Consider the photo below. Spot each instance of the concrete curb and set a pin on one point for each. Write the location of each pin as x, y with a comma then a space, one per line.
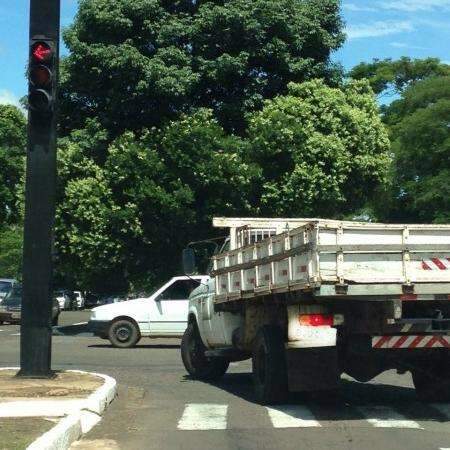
73, 426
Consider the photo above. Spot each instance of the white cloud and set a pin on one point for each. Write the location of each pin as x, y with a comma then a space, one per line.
355, 7
415, 5
377, 29
409, 46
8, 98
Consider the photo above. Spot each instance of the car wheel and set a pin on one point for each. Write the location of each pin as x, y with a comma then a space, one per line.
269, 366
194, 359
123, 334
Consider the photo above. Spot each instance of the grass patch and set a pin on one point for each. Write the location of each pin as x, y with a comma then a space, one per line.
19, 433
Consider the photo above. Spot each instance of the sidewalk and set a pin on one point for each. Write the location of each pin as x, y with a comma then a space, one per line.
53, 413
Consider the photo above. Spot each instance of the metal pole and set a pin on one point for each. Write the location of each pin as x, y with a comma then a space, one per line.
36, 332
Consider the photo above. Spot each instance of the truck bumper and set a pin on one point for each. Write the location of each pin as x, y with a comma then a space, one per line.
99, 327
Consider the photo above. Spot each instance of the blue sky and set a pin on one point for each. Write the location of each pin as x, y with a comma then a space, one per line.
375, 29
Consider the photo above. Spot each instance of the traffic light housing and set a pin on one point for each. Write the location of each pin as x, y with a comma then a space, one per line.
42, 76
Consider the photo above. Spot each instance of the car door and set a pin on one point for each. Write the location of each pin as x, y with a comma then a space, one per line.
171, 308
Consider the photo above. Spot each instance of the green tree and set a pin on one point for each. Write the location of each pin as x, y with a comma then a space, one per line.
11, 240
124, 219
135, 64
389, 77
12, 160
322, 150
420, 133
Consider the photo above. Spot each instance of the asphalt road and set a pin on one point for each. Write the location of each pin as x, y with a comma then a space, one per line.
159, 407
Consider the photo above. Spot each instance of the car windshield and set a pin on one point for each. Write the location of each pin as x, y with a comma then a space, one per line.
14, 298
5, 286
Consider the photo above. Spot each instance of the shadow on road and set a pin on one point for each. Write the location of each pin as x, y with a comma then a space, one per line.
351, 402
347, 403
138, 347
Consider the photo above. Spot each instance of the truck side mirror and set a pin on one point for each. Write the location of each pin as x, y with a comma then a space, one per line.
188, 257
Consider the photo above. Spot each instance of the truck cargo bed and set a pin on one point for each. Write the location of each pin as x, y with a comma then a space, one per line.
337, 259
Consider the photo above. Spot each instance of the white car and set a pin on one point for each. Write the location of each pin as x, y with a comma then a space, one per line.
163, 314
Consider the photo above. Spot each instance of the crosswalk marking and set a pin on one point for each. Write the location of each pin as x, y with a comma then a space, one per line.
204, 416
292, 416
197, 416
385, 417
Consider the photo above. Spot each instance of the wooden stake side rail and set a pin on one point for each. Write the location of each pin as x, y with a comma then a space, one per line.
317, 254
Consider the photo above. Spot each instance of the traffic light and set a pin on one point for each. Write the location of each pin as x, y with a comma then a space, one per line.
42, 76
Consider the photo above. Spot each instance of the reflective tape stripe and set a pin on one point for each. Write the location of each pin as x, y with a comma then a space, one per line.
429, 341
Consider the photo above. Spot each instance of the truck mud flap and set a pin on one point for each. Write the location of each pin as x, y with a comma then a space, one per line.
312, 369
411, 341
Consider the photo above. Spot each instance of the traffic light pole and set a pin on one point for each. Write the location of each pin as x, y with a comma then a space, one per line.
36, 332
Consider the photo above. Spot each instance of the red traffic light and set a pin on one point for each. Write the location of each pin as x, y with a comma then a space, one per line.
41, 52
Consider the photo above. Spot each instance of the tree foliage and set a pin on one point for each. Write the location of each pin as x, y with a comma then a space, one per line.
135, 64
12, 154
11, 242
420, 132
322, 150
125, 217
394, 76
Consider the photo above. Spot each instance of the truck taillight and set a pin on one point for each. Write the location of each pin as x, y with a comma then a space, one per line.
316, 320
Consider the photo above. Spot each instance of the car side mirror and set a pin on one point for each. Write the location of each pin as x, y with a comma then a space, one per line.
188, 257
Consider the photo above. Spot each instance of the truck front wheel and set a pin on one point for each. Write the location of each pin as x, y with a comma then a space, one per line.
269, 366
194, 359
432, 382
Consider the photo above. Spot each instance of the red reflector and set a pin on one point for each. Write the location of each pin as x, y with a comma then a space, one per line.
316, 320
41, 52
408, 297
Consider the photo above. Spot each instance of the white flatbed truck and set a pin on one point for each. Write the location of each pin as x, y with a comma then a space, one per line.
310, 299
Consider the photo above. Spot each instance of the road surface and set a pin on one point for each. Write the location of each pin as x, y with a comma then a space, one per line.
159, 407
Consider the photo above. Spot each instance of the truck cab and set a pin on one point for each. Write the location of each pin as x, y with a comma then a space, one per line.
161, 314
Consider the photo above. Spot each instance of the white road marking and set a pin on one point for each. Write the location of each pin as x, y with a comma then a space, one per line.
15, 334
292, 416
199, 416
443, 408
385, 417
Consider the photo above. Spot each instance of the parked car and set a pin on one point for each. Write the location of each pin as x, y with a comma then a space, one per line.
66, 299
162, 314
80, 299
6, 284
11, 307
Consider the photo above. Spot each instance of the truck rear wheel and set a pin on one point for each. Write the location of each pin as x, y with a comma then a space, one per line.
269, 366
432, 383
194, 359
123, 334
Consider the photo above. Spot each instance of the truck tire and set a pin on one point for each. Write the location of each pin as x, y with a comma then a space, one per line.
195, 362
432, 383
269, 366
123, 334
